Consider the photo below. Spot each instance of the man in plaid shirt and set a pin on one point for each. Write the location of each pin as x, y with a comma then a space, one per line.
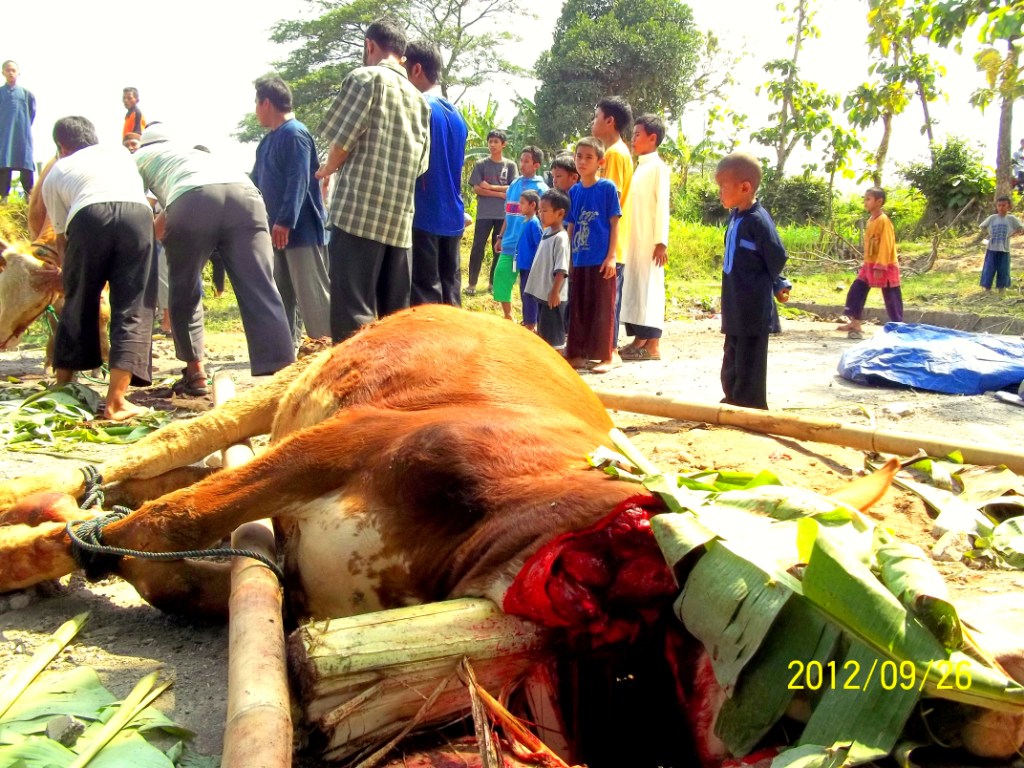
379, 129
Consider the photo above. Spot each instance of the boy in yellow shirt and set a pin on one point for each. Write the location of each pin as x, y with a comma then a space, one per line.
880, 268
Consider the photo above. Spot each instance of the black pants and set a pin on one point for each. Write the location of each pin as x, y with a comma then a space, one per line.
219, 273
436, 271
368, 280
108, 242
745, 371
483, 230
28, 180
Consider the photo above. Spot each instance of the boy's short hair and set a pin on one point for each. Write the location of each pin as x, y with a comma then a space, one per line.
133, 91
743, 166
1004, 199
618, 109
387, 33
75, 133
276, 91
12, 61
557, 199
426, 54
565, 161
535, 152
595, 144
530, 196
878, 193
497, 133
653, 126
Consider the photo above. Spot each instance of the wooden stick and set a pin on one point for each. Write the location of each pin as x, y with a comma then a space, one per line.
258, 732
806, 428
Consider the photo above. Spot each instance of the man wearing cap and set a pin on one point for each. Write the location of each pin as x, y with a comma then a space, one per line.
379, 131
104, 225
286, 162
209, 205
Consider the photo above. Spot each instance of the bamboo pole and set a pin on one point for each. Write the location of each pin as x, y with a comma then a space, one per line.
258, 732
807, 428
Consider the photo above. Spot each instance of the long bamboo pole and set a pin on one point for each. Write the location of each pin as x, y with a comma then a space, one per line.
807, 428
258, 732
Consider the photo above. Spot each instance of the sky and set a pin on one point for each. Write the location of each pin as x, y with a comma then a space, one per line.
194, 62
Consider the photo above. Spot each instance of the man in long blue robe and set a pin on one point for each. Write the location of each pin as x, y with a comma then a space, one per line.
17, 111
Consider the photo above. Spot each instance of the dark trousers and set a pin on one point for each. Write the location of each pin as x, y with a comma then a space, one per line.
858, 296
591, 314
996, 267
232, 219
28, 180
551, 323
530, 304
219, 274
619, 270
436, 271
745, 371
483, 230
642, 331
108, 243
368, 280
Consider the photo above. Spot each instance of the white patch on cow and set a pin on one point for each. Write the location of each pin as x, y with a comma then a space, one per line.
341, 559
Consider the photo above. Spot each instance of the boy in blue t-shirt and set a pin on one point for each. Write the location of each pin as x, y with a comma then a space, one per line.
529, 241
530, 160
593, 226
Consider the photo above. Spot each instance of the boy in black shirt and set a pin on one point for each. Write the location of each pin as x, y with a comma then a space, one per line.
754, 259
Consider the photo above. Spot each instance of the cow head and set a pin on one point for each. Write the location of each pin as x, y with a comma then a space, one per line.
28, 284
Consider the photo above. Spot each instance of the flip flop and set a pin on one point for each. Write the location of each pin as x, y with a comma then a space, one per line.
640, 354
856, 335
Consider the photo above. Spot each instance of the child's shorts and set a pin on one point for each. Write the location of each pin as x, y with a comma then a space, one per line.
504, 278
551, 323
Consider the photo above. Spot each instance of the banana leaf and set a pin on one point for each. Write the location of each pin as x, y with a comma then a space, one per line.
1008, 541
813, 756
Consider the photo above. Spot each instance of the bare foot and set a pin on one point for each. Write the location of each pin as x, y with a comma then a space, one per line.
845, 327
578, 363
123, 411
607, 365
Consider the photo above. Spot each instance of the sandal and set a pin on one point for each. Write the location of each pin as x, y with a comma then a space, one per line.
640, 353
855, 335
190, 385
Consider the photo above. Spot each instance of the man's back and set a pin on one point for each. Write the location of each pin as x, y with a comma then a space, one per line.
439, 205
383, 122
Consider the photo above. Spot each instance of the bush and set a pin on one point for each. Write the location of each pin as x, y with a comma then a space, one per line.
954, 177
699, 202
904, 206
795, 199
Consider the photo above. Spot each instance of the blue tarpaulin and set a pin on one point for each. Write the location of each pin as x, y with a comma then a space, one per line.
937, 359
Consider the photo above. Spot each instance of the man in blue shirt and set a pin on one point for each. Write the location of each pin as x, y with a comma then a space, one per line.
17, 111
286, 163
439, 217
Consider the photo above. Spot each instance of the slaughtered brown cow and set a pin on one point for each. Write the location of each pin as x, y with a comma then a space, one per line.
413, 463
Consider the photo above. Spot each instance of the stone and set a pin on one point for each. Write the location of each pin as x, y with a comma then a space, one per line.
65, 730
951, 546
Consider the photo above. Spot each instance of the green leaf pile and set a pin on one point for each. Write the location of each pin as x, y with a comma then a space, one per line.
113, 735
36, 418
777, 581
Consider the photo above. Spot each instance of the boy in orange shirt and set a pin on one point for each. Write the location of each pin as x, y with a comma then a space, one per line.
880, 269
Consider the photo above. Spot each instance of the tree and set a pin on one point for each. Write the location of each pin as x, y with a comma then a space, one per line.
876, 101
643, 50
894, 28
804, 109
1001, 31
470, 34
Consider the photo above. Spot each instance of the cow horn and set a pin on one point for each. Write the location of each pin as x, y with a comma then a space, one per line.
4, 246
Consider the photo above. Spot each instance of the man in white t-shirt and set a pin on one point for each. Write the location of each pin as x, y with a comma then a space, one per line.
97, 205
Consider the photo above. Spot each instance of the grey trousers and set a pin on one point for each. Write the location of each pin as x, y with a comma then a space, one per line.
233, 219
303, 281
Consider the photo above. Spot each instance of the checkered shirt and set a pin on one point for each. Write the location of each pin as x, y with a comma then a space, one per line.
384, 123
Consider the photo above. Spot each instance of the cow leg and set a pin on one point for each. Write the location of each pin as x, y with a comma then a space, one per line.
173, 446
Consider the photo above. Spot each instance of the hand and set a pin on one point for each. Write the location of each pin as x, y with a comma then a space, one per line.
497, 247
608, 267
660, 257
783, 295
554, 299
323, 172
160, 226
279, 234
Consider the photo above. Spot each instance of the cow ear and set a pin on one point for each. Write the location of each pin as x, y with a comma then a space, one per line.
3, 261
